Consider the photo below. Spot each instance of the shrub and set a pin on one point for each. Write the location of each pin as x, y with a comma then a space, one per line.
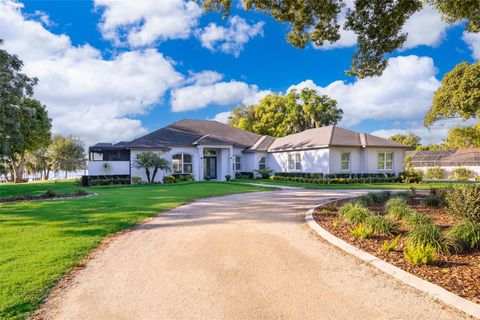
355, 213
390, 246
420, 254
81, 192
372, 198
411, 177
50, 194
415, 218
169, 179
463, 202
462, 174
433, 201
136, 180
434, 173
184, 177
244, 175
336, 224
361, 231
466, 235
87, 181
264, 173
379, 224
427, 235
397, 208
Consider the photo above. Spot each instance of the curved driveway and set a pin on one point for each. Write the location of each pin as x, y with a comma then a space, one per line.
246, 256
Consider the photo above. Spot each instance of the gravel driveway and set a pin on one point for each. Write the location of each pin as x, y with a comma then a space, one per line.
246, 256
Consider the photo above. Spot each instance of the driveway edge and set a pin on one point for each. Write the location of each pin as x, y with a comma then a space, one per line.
433, 290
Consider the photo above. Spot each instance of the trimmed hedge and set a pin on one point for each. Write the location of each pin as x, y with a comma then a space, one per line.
244, 175
88, 181
336, 180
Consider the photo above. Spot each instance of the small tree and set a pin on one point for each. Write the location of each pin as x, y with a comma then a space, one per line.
151, 162
106, 168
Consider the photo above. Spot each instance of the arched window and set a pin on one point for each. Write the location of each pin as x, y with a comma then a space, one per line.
262, 164
182, 163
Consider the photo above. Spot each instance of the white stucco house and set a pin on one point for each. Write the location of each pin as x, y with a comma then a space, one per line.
213, 150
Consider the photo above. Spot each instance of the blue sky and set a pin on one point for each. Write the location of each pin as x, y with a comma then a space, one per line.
111, 70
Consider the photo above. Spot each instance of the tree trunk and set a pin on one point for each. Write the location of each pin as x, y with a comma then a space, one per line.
46, 173
154, 174
18, 169
147, 172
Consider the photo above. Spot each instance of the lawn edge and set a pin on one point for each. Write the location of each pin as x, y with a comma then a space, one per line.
425, 286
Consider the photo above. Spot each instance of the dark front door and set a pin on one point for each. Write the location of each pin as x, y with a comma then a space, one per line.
210, 167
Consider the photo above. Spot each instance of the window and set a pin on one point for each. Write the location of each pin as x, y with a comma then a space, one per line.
182, 163
345, 162
294, 162
96, 156
237, 163
385, 161
262, 164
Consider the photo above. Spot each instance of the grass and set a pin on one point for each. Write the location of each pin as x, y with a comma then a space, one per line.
386, 186
37, 188
41, 241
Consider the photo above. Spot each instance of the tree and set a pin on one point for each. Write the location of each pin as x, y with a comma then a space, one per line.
278, 115
66, 153
32, 132
14, 87
38, 161
458, 95
410, 139
463, 137
377, 23
151, 162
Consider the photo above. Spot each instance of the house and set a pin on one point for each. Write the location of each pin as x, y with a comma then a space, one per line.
448, 160
213, 150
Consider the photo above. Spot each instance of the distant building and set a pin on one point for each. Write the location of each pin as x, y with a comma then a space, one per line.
446, 159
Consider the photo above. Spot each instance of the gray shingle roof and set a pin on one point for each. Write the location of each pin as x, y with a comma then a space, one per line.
330, 136
189, 132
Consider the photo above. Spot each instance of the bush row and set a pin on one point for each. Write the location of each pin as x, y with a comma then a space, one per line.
174, 178
314, 175
88, 181
336, 180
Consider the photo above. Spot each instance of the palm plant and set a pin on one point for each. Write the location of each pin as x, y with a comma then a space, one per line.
151, 162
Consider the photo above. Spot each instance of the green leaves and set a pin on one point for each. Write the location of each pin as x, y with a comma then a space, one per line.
458, 96
278, 116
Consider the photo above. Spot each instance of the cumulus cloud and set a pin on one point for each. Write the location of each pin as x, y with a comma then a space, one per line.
231, 39
204, 77
222, 116
147, 21
403, 91
473, 42
198, 96
434, 134
425, 27
85, 94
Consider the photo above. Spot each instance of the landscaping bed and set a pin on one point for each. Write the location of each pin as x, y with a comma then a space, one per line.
457, 271
47, 195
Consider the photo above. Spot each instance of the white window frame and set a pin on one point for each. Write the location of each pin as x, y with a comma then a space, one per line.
294, 162
382, 165
181, 162
237, 163
343, 161
260, 163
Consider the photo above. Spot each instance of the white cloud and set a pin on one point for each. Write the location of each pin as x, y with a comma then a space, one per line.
473, 42
199, 96
434, 134
204, 77
85, 94
222, 116
425, 27
404, 91
229, 39
147, 21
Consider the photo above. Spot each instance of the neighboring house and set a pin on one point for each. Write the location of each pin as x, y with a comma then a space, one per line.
213, 150
448, 160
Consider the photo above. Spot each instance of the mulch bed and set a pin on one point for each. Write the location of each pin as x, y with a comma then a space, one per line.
457, 272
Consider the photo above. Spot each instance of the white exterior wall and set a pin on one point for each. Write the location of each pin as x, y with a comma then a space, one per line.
371, 160
116, 167
315, 160
356, 162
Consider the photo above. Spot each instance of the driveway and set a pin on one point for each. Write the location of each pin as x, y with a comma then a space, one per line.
246, 256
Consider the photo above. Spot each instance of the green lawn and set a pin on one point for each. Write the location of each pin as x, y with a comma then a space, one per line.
37, 188
40, 241
349, 186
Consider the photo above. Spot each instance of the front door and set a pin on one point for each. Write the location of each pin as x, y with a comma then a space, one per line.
210, 167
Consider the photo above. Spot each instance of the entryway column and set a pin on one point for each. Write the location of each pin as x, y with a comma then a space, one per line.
200, 164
